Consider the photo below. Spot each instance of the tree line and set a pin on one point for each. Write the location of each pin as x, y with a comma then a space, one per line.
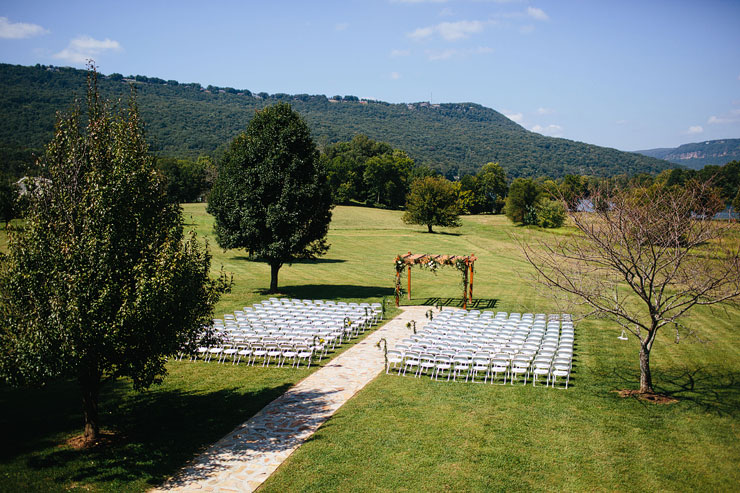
366, 172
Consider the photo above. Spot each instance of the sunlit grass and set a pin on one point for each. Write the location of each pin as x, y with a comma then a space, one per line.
412, 434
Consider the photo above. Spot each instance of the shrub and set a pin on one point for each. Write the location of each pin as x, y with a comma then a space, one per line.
550, 213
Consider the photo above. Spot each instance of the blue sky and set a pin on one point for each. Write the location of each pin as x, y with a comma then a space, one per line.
625, 74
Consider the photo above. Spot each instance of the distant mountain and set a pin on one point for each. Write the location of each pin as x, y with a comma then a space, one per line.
699, 154
186, 120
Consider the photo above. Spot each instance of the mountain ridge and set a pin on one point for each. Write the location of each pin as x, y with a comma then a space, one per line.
186, 120
696, 155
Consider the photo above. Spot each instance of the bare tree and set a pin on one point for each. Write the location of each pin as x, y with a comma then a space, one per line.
644, 258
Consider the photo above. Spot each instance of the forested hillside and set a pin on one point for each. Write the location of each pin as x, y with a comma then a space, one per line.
187, 120
699, 154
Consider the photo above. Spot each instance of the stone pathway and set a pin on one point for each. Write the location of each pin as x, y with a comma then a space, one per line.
245, 458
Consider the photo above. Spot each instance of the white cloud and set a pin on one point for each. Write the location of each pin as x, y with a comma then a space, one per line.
733, 116
400, 53
545, 111
453, 53
395, 75
695, 129
445, 12
551, 130
421, 33
621, 122
341, 26
84, 48
450, 31
536, 13
515, 117
19, 30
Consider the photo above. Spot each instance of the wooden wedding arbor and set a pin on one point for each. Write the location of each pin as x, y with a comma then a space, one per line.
463, 263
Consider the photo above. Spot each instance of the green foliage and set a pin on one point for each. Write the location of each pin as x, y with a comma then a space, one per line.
550, 213
726, 178
186, 121
493, 185
386, 178
522, 201
185, 179
736, 202
432, 201
100, 281
571, 189
364, 170
272, 196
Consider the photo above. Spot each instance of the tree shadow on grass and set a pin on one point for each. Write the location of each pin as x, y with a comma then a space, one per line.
281, 426
157, 432
310, 261
333, 291
713, 390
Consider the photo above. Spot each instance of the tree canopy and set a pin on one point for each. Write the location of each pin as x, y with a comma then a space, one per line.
432, 201
522, 201
100, 281
271, 196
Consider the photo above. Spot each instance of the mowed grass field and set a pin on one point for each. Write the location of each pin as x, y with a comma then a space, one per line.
410, 434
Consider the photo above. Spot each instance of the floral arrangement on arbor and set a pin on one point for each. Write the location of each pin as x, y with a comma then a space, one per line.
464, 264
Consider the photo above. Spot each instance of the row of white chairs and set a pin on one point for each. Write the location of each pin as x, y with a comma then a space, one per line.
282, 330
496, 367
266, 353
497, 347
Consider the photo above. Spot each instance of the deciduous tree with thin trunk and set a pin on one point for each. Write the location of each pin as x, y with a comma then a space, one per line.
644, 261
100, 282
272, 195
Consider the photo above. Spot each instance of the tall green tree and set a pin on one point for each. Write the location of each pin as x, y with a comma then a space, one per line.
346, 163
521, 203
493, 185
272, 196
386, 178
185, 179
432, 201
101, 281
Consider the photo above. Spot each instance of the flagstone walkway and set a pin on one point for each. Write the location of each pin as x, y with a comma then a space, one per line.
245, 458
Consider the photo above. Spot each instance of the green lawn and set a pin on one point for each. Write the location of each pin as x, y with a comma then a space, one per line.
403, 433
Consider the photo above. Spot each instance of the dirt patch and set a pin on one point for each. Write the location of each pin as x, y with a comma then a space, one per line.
649, 397
106, 439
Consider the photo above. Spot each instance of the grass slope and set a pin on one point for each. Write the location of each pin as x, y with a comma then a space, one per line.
402, 433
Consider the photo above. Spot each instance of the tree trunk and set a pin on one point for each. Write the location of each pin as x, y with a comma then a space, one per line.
646, 378
429, 226
274, 268
90, 394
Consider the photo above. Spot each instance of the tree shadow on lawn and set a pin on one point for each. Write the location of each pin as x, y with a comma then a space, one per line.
280, 427
333, 291
157, 431
714, 390
311, 261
